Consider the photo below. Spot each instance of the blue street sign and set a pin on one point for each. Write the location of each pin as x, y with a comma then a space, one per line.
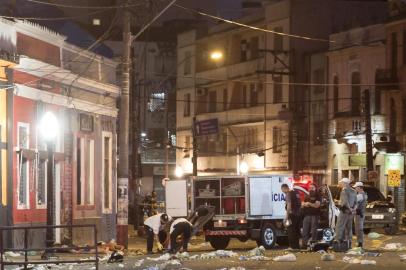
206, 127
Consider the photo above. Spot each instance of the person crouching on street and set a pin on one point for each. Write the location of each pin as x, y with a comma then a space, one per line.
180, 226
155, 230
292, 219
359, 217
311, 216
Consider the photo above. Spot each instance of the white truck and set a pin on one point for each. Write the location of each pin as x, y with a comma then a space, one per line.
242, 207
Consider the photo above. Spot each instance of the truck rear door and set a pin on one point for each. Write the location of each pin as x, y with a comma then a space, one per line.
176, 198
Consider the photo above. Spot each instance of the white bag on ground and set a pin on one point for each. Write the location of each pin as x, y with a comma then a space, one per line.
285, 258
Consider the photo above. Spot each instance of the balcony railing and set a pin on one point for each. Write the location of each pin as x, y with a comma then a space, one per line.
386, 79
9, 57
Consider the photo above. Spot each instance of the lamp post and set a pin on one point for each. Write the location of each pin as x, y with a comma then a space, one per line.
49, 131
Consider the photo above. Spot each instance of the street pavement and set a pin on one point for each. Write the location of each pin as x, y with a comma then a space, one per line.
305, 260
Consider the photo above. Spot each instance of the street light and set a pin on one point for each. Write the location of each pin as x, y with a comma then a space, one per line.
178, 172
244, 168
49, 131
216, 55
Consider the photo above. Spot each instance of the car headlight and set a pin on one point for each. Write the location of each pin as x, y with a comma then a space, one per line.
392, 210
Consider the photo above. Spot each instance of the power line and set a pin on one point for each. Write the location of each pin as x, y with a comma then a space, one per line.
252, 27
52, 19
82, 7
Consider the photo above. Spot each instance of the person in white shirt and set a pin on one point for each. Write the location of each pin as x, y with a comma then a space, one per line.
180, 226
155, 230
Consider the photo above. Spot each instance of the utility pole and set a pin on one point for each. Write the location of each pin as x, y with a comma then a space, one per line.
194, 158
368, 131
122, 200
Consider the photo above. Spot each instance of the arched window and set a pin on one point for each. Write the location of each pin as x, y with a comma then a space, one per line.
335, 94
355, 93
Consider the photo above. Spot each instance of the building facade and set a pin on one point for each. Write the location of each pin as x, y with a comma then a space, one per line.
260, 91
78, 86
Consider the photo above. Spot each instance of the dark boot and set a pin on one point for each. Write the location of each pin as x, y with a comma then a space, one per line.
360, 245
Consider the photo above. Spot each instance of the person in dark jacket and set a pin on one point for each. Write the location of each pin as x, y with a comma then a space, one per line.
292, 218
311, 216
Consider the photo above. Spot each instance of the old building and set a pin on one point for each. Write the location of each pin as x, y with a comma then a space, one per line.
391, 82
258, 91
355, 58
8, 59
78, 86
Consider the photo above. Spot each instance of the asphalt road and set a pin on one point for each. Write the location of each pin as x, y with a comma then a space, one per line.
305, 260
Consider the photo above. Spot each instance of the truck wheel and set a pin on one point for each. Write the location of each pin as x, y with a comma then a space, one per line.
220, 242
268, 236
391, 230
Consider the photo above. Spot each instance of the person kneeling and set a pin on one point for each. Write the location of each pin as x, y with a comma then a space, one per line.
183, 227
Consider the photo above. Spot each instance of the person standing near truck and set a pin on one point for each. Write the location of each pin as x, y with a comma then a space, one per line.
311, 216
362, 199
155, 230
292, 218
348, 199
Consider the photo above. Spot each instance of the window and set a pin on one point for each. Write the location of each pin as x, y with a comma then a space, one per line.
254, 46
278, 40
23, 166
404, 114
335, 95
244, 96
212, 101
394, 52
318, 79
225, 99
187, 67
355, 93
41, 182
277, 89
276, 140
253, 95
186, 111
85, 171
377, 96
202, 97
318, 133
244, 50
107, 172
187, 142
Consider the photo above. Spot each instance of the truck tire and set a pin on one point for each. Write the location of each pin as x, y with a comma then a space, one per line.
391, 230
220, 242
268, 236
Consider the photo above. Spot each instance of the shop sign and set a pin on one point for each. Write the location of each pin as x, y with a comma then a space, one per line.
358, 160
394, 162
394, 178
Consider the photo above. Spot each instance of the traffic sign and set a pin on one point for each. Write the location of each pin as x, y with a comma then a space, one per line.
206, 127
394, 178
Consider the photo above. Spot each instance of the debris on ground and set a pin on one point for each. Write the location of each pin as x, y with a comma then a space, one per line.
254, 258
218, 254
139, 263
328, 257
164, 257
258, 251
374, 235
394, 247
116, 256
285, 258
368, 262
403, 257
233, 268
353, 260
355, 251
372, 254
12, 254
164, 265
